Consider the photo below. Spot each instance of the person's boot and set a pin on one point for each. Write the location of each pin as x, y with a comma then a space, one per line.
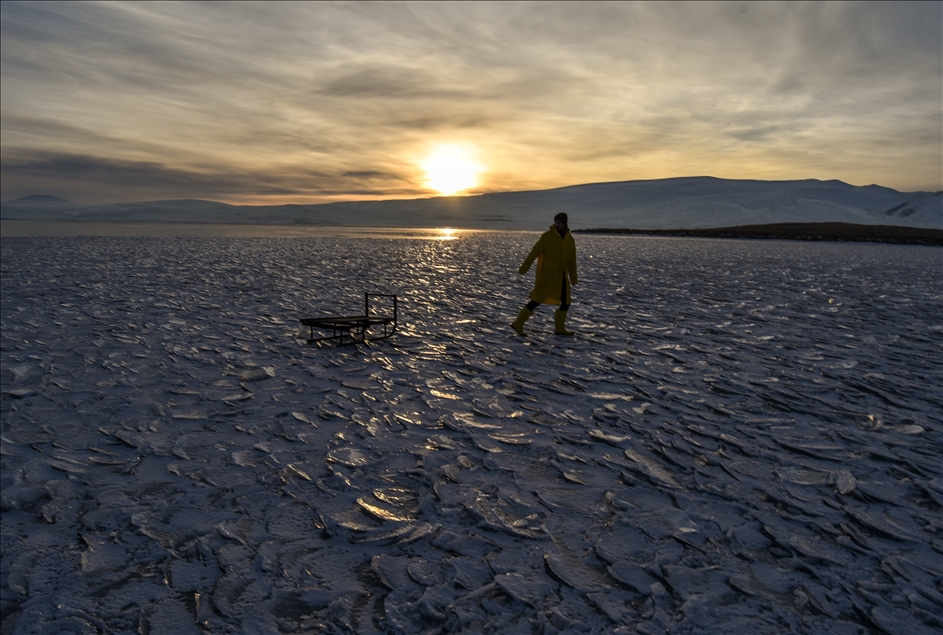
522, 317
559, 323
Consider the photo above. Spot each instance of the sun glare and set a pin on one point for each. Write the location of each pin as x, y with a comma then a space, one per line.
446, 233
450, 170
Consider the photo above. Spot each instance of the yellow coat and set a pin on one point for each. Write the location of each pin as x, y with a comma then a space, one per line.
556, 258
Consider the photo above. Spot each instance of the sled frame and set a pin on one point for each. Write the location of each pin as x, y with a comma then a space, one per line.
352, 329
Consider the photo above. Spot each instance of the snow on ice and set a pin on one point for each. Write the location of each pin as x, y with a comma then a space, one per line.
744, 437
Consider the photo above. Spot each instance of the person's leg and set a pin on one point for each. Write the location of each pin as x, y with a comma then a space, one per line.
559, 316
523, 316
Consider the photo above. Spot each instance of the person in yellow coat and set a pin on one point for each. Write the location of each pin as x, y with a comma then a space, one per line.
555, 254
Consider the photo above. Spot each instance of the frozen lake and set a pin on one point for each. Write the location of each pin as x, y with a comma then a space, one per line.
743, 437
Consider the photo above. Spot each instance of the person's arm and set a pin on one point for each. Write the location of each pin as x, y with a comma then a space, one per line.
532, 256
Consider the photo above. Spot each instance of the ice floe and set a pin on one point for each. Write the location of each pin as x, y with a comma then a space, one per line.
743, 437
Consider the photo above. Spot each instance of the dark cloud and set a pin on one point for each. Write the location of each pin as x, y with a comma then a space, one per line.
107, 171
368, 174
381, 81
79, 175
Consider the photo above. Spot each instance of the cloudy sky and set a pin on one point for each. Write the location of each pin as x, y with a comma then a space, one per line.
295, 102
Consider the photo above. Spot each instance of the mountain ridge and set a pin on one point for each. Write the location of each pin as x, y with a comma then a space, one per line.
40, 199
676, 203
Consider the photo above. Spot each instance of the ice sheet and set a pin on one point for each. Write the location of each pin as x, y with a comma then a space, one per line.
742, 437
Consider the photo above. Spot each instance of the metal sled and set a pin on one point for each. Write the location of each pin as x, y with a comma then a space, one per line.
353, 328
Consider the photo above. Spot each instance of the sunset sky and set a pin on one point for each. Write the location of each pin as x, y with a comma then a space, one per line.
268, 103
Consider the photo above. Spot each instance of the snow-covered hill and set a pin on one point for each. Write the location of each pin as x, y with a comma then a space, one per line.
680, 203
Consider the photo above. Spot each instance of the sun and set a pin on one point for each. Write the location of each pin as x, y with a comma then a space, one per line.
450, 169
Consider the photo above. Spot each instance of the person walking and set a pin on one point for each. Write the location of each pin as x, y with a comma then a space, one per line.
555, 254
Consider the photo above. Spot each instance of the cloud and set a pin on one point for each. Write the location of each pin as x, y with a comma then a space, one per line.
383, 81
145, 180
297, 100
368, 174
129, 177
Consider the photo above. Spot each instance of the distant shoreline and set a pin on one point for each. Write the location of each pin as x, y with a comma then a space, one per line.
831, 232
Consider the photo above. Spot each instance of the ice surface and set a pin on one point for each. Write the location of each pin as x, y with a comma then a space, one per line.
743, 437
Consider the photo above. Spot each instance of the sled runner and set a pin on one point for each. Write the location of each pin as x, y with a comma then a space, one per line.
353, 328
